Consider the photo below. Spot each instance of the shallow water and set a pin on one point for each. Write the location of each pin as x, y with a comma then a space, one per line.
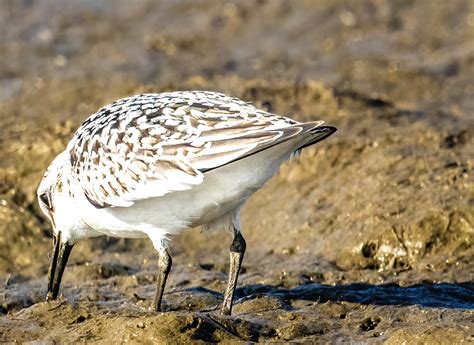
453, 296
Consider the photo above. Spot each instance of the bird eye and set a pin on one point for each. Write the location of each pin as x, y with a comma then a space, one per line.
46, 201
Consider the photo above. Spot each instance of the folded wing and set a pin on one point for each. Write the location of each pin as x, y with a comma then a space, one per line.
163, 152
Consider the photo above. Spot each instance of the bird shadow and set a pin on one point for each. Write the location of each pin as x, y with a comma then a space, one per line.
431, 295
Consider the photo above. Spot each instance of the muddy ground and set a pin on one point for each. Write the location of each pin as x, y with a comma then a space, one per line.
367, 238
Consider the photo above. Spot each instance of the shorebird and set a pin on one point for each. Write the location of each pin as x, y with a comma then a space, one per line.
153, 165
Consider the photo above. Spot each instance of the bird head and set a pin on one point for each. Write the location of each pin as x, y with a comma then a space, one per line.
51, 188
53, 196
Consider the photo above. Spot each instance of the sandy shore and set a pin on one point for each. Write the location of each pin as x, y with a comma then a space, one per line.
368, 237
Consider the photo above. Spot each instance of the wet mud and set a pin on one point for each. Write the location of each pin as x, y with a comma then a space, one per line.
366, 238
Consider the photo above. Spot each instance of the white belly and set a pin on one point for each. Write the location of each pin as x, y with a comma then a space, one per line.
222, 190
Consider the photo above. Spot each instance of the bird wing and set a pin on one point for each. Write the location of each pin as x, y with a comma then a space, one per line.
150, 145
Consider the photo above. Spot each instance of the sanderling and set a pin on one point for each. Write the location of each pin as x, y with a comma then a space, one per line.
152, 165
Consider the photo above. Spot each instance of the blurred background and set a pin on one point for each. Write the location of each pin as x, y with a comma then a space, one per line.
385, 203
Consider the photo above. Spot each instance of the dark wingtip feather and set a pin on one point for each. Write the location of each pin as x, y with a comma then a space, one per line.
321, 133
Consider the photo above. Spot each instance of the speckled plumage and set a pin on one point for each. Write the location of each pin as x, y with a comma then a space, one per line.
152, 144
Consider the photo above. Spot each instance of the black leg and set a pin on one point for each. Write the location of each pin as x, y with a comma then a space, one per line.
237, 250
59, 257
164, 267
